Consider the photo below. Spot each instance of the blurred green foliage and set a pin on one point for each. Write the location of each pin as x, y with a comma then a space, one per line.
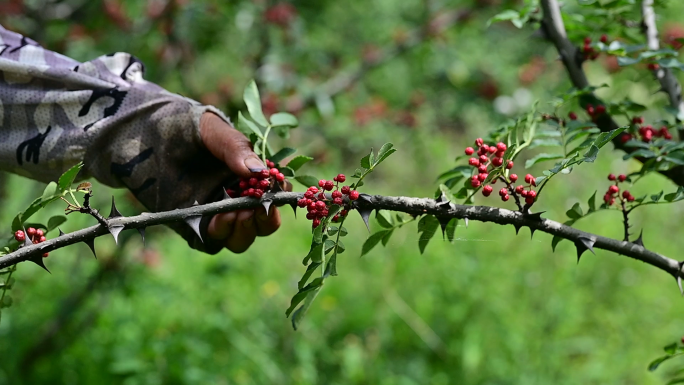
494, 308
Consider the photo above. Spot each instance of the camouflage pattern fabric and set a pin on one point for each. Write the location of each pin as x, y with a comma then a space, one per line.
55, 112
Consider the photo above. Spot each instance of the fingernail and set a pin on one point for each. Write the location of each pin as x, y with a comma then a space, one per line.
254, 164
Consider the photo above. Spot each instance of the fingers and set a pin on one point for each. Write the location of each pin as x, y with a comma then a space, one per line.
244, 232
267, 224
229, 145
221, 225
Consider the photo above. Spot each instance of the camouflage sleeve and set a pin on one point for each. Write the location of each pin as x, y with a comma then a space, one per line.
128, 132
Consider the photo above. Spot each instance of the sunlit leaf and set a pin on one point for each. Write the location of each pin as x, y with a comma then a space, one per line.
253, 102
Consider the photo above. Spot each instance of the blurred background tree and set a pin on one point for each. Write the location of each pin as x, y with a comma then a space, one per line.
429, 75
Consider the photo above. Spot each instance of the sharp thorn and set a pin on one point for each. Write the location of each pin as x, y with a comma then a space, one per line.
115, 230
466, 221
535, 216
194, 222
366, 197
195, 204
517, 228
532, 230
225, 195
294, 209
276, 187
27, 241
267, 205
141, 230
114, 213
60, 232
443, 223
640, 240
38, 260
91, 245
583, 244
365, 214
679, 278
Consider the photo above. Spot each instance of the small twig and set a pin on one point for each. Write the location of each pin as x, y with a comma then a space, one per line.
625, 219
512, 190
668, 82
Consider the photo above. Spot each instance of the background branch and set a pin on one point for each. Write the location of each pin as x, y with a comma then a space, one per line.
414, 206
668, 82
554, 30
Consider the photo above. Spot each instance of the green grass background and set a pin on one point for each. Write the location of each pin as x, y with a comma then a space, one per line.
491, 308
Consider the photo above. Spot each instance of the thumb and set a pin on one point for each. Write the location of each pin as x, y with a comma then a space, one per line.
229, 145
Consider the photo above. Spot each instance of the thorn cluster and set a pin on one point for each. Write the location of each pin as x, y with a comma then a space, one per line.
614, 191
646, 133
318, 204
35, 235
257, 185
489, 158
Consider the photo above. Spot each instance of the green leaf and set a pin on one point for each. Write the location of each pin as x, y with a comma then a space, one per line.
301, 312
676, 381
541, 158
385, 151
50, 192
67, 179
446, 191
248, 127
372, 241
55, 221
316, 253
451, 229
671, 348
655, 363
287, 171
387, 237
509, 14
298, 161
307, 274
282, 154
301, 295
384, 219
591, 154
307, 180
626, 61
284, 119
427, 226
253, 102
606, 137
640, 153
6, 302
575, 212
365, 161
592, 203
675, 196
656, 197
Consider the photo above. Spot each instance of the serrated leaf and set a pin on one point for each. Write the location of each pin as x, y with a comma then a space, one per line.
427, 227
675, 196
372, 241
307, 180
542, 158
298, 161
301, 295
299, 314
605, 137
284, 119
67, 179
253, 102
316, 253
287, 171
656, 197
282, 154
50, 192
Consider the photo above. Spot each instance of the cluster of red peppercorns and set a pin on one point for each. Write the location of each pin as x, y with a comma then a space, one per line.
317, 203
653, 66
588, 51
35, 235
646, 133
257, 185
483, 162
595, 111
614, 190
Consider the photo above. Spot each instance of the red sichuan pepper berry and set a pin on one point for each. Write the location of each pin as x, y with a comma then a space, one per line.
513, 177
487, 190
509, 165
604, 39
469, 151
611, 177
31, 232
622, 177
572, 116
353, 195
20, 236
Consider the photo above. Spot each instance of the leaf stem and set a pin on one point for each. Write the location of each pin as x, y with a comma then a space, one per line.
264, 142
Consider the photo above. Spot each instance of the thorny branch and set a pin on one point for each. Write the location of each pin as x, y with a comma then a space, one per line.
554, 29
414, 206
668, 82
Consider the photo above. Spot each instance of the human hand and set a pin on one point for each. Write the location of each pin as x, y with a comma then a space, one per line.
236, 229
